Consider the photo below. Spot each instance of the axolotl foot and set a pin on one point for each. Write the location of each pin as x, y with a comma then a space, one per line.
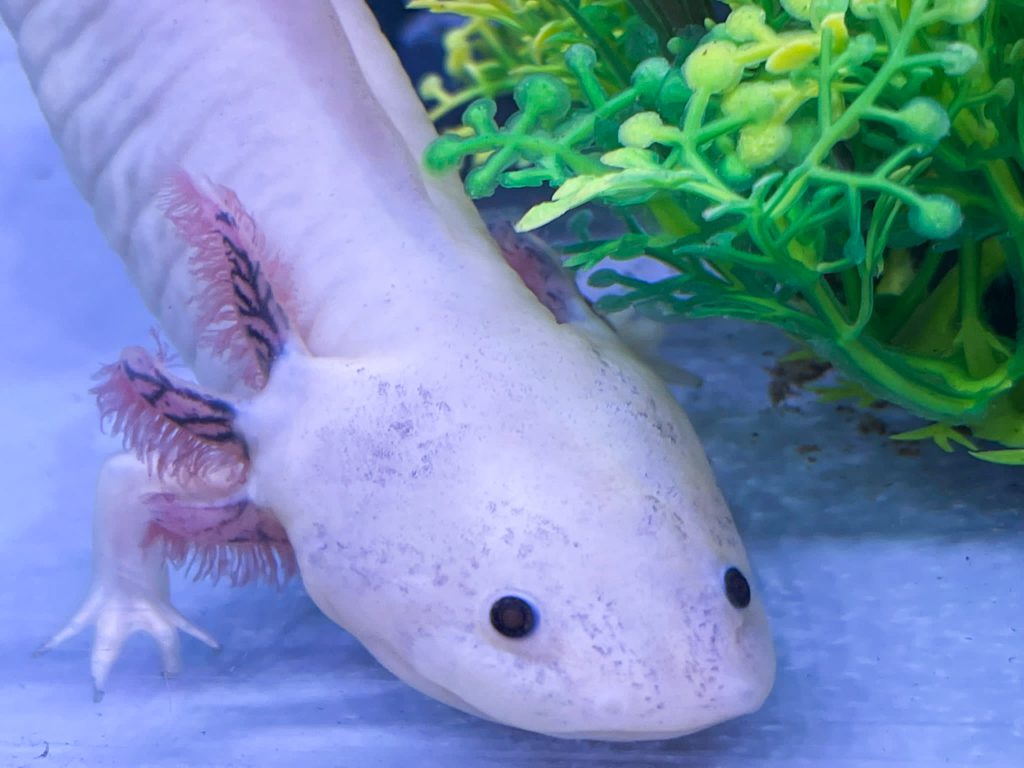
178, 497
142, 525
129, 592
118, 613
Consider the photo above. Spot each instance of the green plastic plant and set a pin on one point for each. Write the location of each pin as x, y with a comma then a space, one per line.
505, 41
848, 170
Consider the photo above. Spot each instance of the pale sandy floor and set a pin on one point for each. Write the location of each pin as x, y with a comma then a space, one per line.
894, 582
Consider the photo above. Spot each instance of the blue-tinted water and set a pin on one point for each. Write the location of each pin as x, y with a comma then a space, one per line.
894, 581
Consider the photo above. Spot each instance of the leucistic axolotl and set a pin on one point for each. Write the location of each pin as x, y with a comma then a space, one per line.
511, 513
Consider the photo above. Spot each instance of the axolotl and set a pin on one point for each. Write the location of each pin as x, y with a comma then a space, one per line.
510, 512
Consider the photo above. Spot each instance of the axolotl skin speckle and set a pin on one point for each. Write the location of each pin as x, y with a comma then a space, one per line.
510, 512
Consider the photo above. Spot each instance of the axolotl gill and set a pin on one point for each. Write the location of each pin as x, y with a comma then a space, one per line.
510, 512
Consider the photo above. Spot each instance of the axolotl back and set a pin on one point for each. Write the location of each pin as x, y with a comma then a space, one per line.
511, 513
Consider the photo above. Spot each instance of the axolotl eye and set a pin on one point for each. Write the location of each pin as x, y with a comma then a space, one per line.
737, 588
513, 617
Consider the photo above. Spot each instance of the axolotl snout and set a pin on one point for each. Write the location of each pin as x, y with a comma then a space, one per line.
511, 513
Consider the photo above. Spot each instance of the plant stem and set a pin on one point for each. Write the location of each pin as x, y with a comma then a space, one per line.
796, 182
868, 365
911, 297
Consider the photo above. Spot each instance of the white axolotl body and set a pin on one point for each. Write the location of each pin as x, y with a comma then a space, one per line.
511, 513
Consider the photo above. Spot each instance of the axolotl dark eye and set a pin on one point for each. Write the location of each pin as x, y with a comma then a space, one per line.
513, 617
737, 588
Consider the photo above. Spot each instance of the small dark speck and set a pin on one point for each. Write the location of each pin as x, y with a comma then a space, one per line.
871, 425
791, 375
777, 392
803, 450
403, 428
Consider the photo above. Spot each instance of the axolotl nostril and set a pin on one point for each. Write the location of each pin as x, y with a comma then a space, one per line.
511, 512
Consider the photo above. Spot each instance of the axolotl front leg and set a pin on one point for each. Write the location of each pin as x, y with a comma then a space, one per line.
178, 496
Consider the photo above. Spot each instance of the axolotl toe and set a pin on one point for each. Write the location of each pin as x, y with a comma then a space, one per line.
511, 512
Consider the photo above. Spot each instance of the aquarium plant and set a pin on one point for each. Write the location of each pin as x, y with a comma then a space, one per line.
850, 171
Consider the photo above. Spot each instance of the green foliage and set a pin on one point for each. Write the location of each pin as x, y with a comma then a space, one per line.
848, 170
504, 41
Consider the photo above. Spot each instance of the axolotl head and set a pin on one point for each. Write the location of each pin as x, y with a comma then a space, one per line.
555, 561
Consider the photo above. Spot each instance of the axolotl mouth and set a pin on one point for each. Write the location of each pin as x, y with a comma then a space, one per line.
543, 687
398, 664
